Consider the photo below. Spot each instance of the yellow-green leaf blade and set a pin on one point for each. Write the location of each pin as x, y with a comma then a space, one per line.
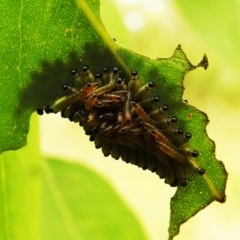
79, 204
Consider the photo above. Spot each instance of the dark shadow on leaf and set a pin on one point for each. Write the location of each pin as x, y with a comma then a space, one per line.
46, 85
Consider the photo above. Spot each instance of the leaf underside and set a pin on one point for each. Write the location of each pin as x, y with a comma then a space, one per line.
48, 42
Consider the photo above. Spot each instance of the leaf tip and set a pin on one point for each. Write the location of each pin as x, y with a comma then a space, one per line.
179, 47
222, 199
204, 62
217, 195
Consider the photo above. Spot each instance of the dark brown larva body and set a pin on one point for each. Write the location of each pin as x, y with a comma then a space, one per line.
124, 119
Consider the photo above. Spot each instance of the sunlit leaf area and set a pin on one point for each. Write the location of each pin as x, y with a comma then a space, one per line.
67, 189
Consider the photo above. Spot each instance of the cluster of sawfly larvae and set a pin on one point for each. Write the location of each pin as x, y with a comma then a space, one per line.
126, 120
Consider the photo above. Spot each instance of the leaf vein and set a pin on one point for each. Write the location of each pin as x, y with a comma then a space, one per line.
60, 202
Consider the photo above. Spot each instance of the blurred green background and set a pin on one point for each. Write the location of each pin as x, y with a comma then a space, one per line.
154, 28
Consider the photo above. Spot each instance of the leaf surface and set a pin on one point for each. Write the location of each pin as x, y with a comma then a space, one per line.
20, 191
79, 204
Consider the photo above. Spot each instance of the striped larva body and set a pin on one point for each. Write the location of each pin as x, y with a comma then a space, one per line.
126, 122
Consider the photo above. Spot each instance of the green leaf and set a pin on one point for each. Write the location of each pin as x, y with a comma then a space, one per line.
42, 42
32, 35
79, 204
20, 191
